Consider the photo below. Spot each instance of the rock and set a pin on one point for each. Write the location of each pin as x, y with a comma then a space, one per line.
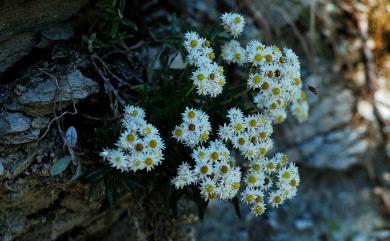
39, 100
21, 21
382, 102
326, 114
366, 110
303, 224
58, 32
336, 150
39, 122
20, 138
13, 123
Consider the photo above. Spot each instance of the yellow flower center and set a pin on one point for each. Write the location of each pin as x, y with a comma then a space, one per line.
236, 185
258, 57
282, 60
271, 166
148, 130
178, 132
148, 161
211, 55
237, 20
194, 43
238, 127
263, 151
297, 81
204, 169
224, 169
259, 199
249, 198
268, 58
237, 56
191, 127
252, 179
270, 74
191, 114
252, 123
139, 147
253, 140
212, 76
200, 77
214, 156
277, 199
130, 137
284, 158
256, 167
204, 136
257, 79
153, 144
274, 105
118, 159
276, 91
241, 141
259, 210
134, 113
265, 86
263, 135
286, 174
293, 183
210, 188
201, 154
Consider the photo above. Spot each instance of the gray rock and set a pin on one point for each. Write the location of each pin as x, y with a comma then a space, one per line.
58, 32
13, 123
20, 138
21, 21
382, 102
39, 100
39, 122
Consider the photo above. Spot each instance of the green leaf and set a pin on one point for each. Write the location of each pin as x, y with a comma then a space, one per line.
60, 165
129, 23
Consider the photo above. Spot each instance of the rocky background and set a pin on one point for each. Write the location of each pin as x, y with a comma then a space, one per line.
343, 149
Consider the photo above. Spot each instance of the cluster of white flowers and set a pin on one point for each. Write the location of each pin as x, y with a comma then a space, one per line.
208, 78
194, 129
251, 135
272, 179
274, 74
213, 172
233, 23
139, 146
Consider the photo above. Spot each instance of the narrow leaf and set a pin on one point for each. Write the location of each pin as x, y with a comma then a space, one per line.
60, 165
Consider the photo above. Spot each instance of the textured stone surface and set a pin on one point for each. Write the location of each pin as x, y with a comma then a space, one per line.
21, 21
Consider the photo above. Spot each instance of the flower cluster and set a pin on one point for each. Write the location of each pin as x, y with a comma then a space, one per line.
272, 179
208, 78
139, 146
274, 75
194, 129
213, 172
249, 134
233, 23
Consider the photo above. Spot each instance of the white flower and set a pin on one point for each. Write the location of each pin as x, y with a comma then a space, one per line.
275, 198
185, 176
193, 131
233, 23
118, 160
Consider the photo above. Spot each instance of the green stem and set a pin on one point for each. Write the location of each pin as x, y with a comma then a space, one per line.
190, 90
